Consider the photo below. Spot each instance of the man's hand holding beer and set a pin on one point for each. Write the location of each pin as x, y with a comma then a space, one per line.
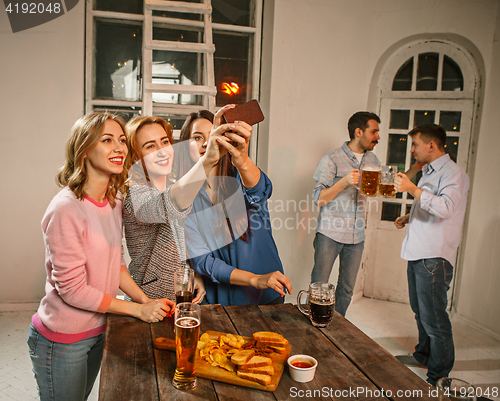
403, 184
352, 177
328, 194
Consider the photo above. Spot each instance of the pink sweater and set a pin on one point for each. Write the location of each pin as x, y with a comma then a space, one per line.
83, 255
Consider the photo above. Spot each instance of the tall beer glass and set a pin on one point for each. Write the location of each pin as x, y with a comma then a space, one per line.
183, 284
386, 187
369, 180
187, 332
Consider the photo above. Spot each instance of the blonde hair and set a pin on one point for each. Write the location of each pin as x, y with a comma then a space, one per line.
84, 135
139, 174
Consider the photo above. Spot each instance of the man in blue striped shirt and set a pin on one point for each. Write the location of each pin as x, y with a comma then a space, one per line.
341, 222
430, 246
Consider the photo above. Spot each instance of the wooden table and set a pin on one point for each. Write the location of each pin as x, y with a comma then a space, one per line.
351, 366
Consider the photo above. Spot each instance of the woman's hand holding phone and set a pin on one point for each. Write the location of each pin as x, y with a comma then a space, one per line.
214, 150
236, 142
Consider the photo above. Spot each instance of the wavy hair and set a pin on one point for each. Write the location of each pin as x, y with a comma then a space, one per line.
139, 174
84, 136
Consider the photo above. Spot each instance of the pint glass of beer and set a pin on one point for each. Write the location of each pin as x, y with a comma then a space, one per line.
321, 303
386, 186
183, 284
369, 180
187, 332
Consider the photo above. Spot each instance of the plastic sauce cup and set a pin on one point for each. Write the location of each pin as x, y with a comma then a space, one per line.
302, 368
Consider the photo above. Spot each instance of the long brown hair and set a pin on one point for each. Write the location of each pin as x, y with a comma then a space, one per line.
84, 135
226, 179
184, 159
140, 175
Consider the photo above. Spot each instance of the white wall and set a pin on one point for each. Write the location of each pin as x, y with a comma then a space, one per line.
478, 293
324, 54
41, 81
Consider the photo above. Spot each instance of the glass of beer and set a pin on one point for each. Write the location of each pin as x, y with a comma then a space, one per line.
455, 390
187, 332
369, 180
183, 284
321, 305
386, 186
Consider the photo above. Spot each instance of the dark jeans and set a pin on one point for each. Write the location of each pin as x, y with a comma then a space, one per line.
428, 282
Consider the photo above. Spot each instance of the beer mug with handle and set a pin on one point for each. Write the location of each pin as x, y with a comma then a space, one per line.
321, 303
386, 187
187, 332
370, 174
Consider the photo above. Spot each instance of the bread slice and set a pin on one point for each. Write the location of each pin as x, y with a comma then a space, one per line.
257, 361
263, 370
270, 338
243, 356
278, 350
255, 377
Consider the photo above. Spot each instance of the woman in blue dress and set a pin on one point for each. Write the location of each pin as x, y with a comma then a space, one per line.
228, 233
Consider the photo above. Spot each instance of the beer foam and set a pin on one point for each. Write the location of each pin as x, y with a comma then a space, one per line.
187, 322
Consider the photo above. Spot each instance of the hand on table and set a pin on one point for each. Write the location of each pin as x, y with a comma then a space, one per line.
155, 310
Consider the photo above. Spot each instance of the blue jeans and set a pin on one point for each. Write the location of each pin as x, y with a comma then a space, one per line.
428, 282
326, 251
64, 371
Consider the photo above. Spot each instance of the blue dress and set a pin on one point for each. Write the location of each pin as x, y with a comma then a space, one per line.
214, 252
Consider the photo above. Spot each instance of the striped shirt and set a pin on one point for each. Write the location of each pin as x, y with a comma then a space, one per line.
155, 239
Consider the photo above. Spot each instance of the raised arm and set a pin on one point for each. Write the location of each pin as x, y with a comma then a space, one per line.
187, 187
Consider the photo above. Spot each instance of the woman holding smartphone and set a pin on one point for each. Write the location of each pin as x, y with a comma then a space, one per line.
82, 230
156, 205
228, 232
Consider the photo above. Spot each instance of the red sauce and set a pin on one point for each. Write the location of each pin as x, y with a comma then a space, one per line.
302, 364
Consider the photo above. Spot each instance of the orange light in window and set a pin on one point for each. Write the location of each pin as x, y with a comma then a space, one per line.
230, 88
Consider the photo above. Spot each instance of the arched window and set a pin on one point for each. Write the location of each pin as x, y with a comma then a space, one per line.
426, 82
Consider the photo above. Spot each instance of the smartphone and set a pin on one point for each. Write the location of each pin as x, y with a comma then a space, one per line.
250, 112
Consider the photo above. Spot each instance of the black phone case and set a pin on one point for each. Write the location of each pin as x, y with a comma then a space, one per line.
250, 112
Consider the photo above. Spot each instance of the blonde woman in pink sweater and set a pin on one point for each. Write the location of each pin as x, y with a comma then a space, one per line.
82, 230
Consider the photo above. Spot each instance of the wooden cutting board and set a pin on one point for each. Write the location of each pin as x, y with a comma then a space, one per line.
207, 371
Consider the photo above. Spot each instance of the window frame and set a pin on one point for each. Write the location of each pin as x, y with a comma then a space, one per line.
183, 110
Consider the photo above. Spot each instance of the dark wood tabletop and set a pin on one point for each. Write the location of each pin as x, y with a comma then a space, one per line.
351, 366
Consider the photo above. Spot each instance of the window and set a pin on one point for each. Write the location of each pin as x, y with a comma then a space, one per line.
143, 58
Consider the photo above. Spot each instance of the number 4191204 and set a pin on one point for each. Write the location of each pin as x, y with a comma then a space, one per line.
33, 8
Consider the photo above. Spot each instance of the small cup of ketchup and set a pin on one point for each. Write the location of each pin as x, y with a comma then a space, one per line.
302, 368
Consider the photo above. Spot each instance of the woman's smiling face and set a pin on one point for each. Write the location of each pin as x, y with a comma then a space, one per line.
198, 139
155, 149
